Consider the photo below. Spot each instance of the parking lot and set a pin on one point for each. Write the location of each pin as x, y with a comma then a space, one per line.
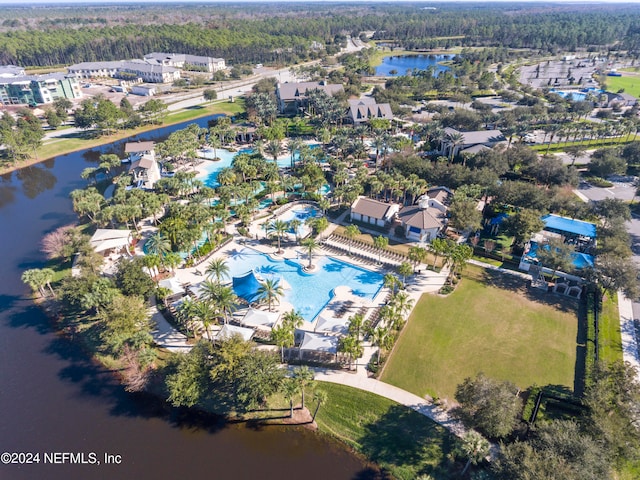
623, 189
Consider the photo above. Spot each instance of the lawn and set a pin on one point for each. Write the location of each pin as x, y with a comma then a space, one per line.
393, 436
492, 323
610, 339
630, 84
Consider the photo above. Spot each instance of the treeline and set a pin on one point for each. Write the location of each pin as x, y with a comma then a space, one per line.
286, 37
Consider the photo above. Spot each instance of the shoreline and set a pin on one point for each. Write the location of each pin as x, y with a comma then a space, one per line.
151, 390
99, 142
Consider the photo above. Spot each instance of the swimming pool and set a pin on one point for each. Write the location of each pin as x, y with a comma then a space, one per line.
575, 95
209, 175
579, 260
301, 213
309, 293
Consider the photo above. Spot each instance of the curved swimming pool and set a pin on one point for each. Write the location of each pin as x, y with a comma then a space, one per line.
309, 293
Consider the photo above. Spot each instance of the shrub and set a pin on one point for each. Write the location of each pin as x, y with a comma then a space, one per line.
446, 290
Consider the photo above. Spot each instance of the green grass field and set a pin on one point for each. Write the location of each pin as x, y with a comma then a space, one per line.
630, 84
610, 339
395, 437
493, 324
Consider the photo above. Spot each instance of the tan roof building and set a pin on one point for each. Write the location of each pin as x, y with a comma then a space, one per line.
488, 138
424, 221
375, 212
139, 147
364, 109
294, 95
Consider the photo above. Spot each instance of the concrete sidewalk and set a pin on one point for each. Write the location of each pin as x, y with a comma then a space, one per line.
630, 352
164, 334
360, 380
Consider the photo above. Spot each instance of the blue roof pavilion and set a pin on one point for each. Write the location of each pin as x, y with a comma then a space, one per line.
569, 226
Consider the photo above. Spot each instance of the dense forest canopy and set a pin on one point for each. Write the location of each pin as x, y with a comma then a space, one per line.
245, 33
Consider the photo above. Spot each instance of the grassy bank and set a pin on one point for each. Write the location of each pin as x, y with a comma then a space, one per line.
400, 440
63, 145
492, 323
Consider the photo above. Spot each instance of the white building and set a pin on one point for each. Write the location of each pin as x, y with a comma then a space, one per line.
128, 70
424, 221
186, 61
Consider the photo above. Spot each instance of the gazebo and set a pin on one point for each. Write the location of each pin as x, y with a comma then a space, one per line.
332, 325
229, 331
110, 239
320, 345
260, 319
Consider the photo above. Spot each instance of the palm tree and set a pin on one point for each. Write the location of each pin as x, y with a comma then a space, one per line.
319, 396
47, 276
351, 346
401, 303
158, 244
355, 325
292, 319
459, 257
172, 260
278, 228
381, 243
283, 336
226, 302
351, 232
474, 447
209, 290
378, 338
295, 225
405, 269
274, 148
417, 255
35, 279
439, 246
294, 146
152, 262
454, 140
270, 290
310, 245
206, 314
575, 152
218, 269
304, 376
289, 389
391, 282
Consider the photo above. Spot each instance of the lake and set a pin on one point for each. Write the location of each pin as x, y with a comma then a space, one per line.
55, 399
401, 63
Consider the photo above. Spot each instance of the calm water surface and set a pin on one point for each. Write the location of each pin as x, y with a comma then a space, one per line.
53, 399
403, 63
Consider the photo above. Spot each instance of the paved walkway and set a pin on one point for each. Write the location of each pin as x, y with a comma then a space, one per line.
360, 380
630, 352
524, 276
164, 334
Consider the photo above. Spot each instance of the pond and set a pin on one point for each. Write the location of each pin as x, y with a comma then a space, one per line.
398, 65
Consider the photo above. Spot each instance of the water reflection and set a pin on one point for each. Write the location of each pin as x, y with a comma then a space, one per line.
7, 190
35, 180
